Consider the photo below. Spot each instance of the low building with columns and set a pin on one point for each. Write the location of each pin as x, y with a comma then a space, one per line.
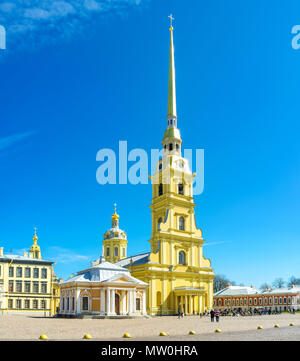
249, 298
104, 289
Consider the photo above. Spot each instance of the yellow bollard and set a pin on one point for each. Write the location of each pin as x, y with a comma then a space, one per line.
87, 336
259, 327
192, 332
126, 335
292, 324
43, 337
218, 330
276, 326
162, 334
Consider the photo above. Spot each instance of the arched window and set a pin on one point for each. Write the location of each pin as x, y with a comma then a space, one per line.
107, 252
181, 257
180, 189
170, 147
181, 224
160, 190
116, 251
177, 147
158, 223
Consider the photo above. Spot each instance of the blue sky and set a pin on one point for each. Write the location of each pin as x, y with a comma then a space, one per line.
78, 76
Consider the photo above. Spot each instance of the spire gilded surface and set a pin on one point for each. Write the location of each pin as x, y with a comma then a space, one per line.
172, 111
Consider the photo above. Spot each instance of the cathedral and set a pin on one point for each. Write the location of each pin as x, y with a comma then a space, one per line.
174, 276
180, 278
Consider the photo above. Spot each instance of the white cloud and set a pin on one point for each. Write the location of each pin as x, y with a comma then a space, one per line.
44, 20
12, 139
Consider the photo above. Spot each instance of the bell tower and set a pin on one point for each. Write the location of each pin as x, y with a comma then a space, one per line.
115, 240
175, 238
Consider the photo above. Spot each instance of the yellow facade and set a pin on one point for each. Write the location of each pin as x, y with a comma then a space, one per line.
26, 283
179, 277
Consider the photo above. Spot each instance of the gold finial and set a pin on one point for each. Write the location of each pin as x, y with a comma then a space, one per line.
115, 205
171, 20
35, 237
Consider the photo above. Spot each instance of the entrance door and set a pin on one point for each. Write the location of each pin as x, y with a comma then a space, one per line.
117, 304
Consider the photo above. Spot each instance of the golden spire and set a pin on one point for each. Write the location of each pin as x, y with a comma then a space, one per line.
172, 112
35, 237
115, 215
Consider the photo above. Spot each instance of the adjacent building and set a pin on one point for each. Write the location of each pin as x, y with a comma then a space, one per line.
249, 298
26, 282
103, 290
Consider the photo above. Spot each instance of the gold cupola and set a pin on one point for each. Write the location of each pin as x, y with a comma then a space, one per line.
115, 240
35, 250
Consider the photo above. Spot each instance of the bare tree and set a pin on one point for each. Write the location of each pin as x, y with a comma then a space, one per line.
278, 283
220, 282
293, 281
264, 286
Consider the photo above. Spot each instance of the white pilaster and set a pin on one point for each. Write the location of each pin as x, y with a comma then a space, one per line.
134, 301
102, 304
113, 302
144, 302
77, 300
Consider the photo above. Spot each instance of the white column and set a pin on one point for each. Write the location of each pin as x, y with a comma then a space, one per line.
134, 301
102, 304
108, 301
77, 301
144, 302
123, 311
113, 295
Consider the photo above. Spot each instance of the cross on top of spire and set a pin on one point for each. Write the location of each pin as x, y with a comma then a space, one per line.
171, 21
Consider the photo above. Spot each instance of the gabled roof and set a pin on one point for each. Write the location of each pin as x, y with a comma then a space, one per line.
236, 291
103, 272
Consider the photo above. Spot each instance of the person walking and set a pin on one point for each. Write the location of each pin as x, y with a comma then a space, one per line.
217, 314
212, 315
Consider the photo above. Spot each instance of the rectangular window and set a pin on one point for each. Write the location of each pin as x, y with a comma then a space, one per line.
11, 286
73, 303
27, 287
27, 304
44, 273
10, 303
107, 252
35, 273
43, 304
284, 300
18, 286
27, 272
44, 287
85, 303
19, 272
35, 287
138, 304
19, 304
35, 304
11, 272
